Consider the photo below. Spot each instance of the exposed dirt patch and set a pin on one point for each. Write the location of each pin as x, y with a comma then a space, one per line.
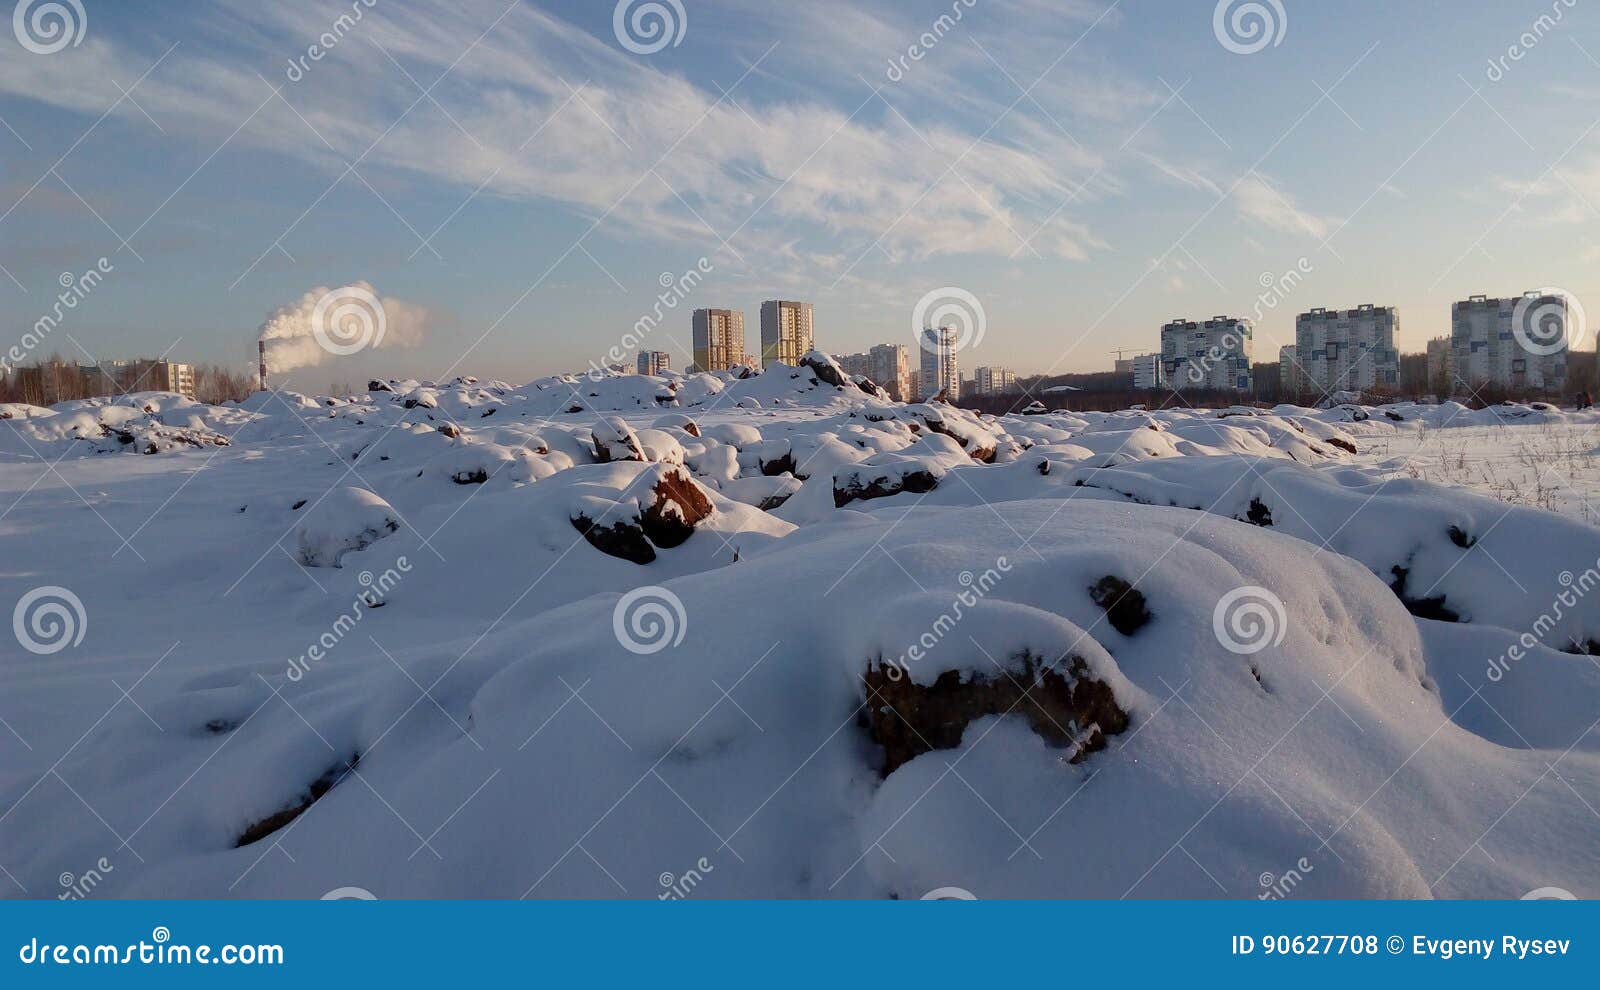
1259, 513
1124, 604
1430, 607
855, 489
1066, 707
624, 538
676, 505
779, 465
278, 819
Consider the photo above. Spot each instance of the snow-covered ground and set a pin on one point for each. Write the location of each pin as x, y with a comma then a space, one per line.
777, 636
1552, 466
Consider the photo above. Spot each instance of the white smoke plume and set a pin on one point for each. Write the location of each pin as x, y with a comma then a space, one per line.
327, 323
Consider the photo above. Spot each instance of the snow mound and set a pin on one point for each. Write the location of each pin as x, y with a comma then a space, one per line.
1299, 727
829, 644
344, 520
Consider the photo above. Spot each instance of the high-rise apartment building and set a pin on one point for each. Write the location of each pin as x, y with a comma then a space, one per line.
1213, 354
993, 381
1486, 348
654, 362
718, 338
1441, 365
786, 333
1291, 380
1148, 372
888, 365
939, 372
1351, 349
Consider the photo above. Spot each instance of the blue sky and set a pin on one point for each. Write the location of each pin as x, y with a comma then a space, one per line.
1087, 171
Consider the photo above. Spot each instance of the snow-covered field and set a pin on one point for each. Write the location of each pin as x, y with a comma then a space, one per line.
1552, 466
781, 637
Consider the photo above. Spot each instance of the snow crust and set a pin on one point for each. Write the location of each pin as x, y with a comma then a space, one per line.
393, 581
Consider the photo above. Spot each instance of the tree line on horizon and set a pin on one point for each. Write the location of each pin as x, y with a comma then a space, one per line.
55, 379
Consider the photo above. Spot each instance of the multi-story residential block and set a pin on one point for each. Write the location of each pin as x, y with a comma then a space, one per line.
173, 377
1348, 350
1486, 348
1148, 372
1291, 380
993, 381
1213, 354
786, 332
1441, 365
654, 362
718, 338
939, 371
888, 365
141, 375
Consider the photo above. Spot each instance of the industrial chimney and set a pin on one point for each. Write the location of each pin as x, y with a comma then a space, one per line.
261, 351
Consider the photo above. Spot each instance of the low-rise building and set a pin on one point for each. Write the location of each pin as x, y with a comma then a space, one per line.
141, 375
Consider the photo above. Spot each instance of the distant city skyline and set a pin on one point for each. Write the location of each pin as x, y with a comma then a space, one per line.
529, 183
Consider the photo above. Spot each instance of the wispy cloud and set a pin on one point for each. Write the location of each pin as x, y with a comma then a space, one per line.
1259, 201
537, 108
